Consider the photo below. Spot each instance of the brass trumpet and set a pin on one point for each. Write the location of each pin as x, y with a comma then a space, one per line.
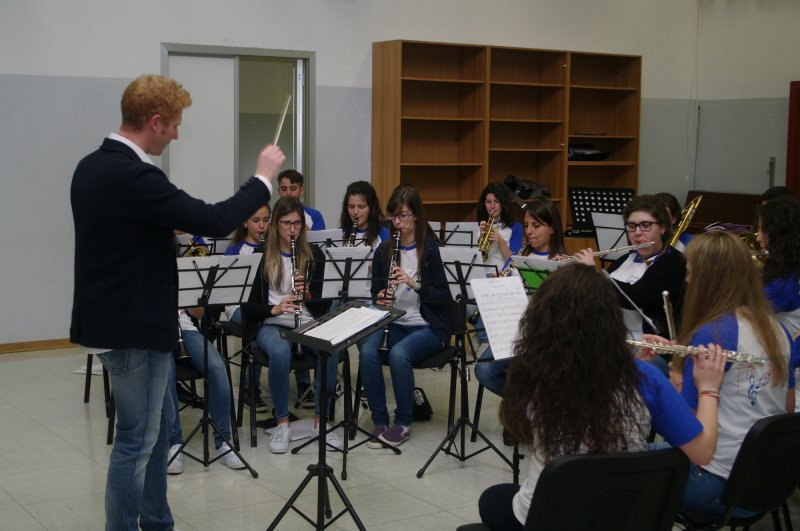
195, 249
683, 351
485, 241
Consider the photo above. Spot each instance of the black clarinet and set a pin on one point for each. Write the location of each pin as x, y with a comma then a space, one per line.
298, 311
353, 233
391, 288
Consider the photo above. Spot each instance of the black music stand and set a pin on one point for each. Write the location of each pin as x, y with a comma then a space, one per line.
460, 234
203, 274
321, 470
342, 266
584, 201
458, 274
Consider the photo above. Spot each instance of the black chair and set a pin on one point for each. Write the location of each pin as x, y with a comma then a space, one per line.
765, 473
624, 492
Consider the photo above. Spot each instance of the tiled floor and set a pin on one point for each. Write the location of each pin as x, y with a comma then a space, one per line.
53, 462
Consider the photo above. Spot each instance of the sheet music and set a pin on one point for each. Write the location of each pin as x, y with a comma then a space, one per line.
502, 302
471, 267
461, 233
360, 278
347, 324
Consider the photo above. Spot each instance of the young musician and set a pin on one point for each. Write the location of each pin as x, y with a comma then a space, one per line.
644, 274
778, 222
571, 393
725, 304
506, 239
420, 288
360, 205
545, 237
219, 393
674, 210
247, 239
272, 305
290, 182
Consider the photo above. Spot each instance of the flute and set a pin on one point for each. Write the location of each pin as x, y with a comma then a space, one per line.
683, 351
597, 254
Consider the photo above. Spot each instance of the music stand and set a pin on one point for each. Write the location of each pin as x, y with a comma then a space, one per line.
324, 238
461, 233
458, 275
584, 201
534, 270
347, 277
610, 234
321, 470
205, 281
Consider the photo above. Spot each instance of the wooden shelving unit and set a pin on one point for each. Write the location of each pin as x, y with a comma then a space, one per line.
449, 118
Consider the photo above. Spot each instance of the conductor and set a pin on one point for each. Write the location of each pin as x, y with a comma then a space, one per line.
125, 299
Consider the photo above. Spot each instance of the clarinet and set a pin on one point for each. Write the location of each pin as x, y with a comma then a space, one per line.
294, 274
391, 288
353, 233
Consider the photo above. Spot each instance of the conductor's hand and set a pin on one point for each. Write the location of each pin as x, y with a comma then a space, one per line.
288, 304
269, 162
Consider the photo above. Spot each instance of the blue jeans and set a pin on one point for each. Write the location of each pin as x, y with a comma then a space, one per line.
300, 377
496, 507
492, 374
407, 345
219, 391
704, 490
136, 489
279, 352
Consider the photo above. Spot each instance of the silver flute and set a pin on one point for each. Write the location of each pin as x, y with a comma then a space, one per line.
391, 288
683, 351
570, 259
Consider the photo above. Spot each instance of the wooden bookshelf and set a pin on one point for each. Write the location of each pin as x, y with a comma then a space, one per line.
449, 118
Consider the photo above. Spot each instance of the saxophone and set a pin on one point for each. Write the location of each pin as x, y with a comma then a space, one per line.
391, 288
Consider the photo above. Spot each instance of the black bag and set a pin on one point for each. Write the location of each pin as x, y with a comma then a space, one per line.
422, 409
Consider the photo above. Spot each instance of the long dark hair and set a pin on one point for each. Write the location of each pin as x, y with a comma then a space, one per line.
569, 391
375, 217
273, 263
241, 231
544, 211
406, 195
500, 191
779, 218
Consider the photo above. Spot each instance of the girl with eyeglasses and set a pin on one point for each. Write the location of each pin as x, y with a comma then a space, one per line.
421, 290
645, 273
272, 305
360, 204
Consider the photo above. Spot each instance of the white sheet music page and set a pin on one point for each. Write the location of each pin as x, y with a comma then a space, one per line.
347, 324
502, 301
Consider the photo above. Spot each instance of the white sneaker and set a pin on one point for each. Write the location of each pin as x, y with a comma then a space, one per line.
176, 466
330, 437
230, 459
279, 442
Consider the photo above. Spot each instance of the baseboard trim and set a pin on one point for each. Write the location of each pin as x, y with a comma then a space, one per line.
26, 346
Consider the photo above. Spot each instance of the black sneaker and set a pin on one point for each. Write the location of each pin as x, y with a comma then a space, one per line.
260, 404
306, 398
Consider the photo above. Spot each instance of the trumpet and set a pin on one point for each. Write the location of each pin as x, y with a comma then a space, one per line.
391, 288
295, 293
195, 249
570, 259
485, 241
353, 233
683, 351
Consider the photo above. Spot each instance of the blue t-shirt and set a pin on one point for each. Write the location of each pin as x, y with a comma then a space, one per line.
670, 415
515, 242
236, 248
314, 219
784, 293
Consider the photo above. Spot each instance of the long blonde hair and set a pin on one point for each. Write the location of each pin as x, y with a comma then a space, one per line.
724, 280
273, 263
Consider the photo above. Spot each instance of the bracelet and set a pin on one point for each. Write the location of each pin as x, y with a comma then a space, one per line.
713, 394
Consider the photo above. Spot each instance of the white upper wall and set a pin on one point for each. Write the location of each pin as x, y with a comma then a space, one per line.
748, 48
101, 38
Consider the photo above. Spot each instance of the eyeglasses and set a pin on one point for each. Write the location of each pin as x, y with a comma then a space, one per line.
402, 216
289, 224
645, 226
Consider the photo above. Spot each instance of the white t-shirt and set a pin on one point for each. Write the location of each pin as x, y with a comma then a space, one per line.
406, 298
278, 293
